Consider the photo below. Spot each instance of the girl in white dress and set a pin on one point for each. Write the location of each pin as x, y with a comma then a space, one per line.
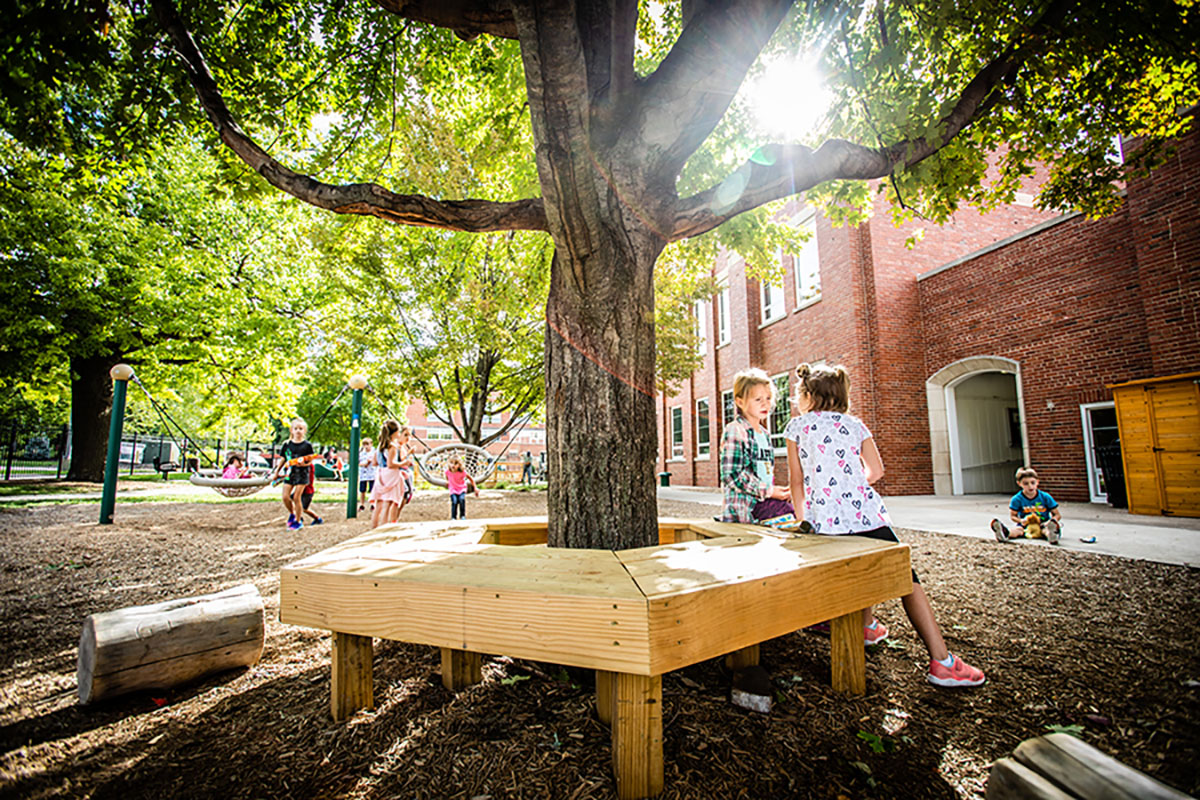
832, 464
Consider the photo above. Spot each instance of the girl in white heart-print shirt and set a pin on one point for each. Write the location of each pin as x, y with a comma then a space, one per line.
832, 464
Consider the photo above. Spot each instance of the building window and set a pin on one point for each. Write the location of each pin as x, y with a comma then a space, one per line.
702, 327
702, 436
728, 409
677, 432
772, 302
723, 317
782, 411
807, 266
439, 434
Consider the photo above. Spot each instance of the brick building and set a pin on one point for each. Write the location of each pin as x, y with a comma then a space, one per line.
518, 440
988, 344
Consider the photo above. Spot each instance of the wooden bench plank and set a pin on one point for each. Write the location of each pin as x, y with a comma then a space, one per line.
1012, 780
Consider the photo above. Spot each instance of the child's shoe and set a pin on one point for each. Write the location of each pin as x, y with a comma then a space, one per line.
295, 525
1053, 531
1000, 531
317, 521
958, 674
875, 635
291, 518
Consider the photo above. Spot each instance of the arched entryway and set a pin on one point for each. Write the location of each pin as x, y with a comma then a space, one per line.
976, 425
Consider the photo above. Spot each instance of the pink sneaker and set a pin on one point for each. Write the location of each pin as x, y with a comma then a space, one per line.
959, 673
876, 636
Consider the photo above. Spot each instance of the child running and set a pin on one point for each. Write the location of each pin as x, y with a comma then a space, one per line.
298, 474
832, 463
747, 455
457, 480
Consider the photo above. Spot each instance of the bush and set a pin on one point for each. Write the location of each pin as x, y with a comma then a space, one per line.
37, 448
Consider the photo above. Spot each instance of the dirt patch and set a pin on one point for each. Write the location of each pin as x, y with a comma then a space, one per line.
1067, 639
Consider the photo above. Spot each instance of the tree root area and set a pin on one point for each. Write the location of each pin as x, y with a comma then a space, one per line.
1098, 646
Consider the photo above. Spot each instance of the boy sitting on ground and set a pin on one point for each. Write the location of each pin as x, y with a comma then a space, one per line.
1034, 513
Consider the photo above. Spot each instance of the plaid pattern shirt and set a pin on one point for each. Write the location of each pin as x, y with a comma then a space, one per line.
743, 488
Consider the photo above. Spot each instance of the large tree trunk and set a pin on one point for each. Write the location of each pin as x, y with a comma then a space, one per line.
606, 218
91, 409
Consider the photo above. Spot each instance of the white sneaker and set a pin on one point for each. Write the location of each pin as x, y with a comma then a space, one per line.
1000, 531
1053, 532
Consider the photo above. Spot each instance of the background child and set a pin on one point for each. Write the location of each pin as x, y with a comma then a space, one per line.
297, 474
747, 455
235, 468
832, 462
457, 480
306, 498
388, 494
366, 472
1034, 513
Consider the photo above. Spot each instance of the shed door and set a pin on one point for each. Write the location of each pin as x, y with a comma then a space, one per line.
1175, 409
1137, 449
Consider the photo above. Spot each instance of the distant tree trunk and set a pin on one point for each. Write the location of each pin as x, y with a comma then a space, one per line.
91, 409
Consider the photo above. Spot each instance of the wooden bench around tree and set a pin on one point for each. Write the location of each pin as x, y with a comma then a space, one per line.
491, 586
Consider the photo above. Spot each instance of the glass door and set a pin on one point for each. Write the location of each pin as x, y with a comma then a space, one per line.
1099, 430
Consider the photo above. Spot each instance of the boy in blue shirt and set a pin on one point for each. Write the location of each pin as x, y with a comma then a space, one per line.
1034, 513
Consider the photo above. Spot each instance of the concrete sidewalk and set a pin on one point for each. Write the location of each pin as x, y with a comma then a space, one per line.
1168, 540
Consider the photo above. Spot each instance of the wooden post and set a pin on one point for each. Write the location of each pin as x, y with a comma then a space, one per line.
637, 735
461, 668
351, 684
848, 654
604, 695
740, 659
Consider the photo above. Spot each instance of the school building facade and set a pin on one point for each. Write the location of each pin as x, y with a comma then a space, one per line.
990, 344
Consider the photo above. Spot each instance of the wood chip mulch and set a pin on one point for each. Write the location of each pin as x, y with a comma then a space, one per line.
1101, 646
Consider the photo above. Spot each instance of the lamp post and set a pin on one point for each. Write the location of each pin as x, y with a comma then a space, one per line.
121, 374
357, 383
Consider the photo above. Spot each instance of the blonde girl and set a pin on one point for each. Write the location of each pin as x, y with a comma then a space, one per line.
388, 493
296, 465
832, 463
747, 455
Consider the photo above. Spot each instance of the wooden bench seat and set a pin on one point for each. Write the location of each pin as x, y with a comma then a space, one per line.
491, 586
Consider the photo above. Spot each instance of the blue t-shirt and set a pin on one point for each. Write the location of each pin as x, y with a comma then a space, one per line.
1041, 504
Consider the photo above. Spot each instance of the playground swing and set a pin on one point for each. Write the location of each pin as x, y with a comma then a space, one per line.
477, 462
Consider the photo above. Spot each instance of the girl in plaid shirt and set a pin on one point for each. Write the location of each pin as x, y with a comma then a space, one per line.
748, 457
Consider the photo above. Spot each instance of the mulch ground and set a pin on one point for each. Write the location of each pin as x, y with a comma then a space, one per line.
1099, 645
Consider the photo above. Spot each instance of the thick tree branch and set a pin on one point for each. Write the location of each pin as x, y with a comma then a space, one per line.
779, 171
467, 18
692, 88
362, 198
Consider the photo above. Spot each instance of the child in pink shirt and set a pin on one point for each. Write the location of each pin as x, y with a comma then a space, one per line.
457, 480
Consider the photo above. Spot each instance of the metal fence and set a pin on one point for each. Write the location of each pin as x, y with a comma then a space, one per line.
35, 452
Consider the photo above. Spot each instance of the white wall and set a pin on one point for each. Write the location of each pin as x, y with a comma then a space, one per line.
985, 455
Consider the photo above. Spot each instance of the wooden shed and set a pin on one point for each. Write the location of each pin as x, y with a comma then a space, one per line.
1159, 423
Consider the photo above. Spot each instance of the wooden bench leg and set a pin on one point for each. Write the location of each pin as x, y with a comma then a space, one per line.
461, 668
848, 654
351, 685
740, 659
604, 695
637, 735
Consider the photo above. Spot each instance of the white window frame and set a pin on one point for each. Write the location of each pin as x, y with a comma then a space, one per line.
676, 450
700, 309
725, 422
777, 440
805, 262
703, 445
772, 311
1085, 412
723, 317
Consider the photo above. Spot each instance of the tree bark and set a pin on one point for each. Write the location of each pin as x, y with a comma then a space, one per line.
605, 216
91, 409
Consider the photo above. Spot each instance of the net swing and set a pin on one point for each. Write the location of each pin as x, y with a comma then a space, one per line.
477, 462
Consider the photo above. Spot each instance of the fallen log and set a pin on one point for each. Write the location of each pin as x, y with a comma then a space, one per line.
166, 644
